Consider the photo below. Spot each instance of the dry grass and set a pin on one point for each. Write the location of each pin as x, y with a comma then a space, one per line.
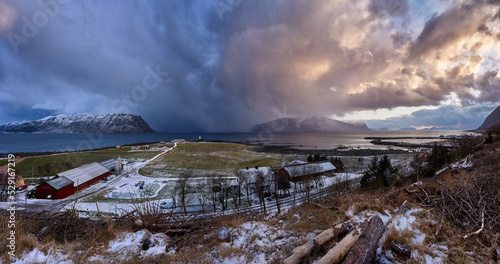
220, 158
308, 218
76, 159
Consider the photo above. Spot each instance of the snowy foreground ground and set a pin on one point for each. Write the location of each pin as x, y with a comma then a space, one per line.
251, 242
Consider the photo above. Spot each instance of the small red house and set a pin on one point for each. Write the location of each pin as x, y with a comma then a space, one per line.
57, 188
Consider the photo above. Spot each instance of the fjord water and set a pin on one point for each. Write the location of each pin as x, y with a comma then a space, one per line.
42, 142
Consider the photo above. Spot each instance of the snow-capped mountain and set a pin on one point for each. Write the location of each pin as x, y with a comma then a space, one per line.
310, 124
83, 123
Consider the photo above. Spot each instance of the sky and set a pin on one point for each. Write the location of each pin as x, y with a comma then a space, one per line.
226, 65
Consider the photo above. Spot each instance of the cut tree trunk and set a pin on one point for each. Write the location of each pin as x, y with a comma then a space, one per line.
337, 253
365, 249
327, 235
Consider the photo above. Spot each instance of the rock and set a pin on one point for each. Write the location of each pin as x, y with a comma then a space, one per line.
224, 235
146, 240
401, 248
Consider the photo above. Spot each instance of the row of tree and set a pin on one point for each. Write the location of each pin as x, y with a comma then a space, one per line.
262, 184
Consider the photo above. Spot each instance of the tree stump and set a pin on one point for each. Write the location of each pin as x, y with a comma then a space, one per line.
364, 250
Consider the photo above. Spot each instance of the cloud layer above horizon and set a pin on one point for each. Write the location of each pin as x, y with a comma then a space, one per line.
224, 65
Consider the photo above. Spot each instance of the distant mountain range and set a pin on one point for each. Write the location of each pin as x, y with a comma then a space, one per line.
83, 123
491, 120
310, 124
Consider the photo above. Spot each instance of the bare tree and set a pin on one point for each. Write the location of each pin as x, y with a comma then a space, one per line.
260, 186
183, 186
224, 193
240, 178
315, 171
214, 188
245, 181
281, 184
294, 172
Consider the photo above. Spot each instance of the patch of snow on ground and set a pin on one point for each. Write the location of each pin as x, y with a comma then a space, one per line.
350, 211
132, 243
431, 260
402, 223
385, 217
260, 241
407, 223
418, 239
37, 256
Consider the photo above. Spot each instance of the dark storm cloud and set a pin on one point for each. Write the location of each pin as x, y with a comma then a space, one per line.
224, 65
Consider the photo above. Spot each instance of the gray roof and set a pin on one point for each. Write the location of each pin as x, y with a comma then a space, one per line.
59, 182
326, 166
84, 173
309, 168
108, 163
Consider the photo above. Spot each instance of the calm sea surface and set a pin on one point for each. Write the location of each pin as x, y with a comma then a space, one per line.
39, 142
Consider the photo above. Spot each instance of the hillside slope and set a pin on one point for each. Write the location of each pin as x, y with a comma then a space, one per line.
491, 120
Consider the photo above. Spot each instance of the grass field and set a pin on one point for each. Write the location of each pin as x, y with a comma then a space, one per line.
44, 166
210, 158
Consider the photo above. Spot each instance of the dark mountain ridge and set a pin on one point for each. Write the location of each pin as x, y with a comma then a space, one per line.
491, 120
310, 124
83, 123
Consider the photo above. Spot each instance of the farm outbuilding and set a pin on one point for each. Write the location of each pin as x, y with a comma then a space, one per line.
68, 182
57, 188
300, 172
86, 175
4, 177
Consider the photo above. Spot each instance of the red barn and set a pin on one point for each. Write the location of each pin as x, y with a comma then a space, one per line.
86, 175
71, 181
57, 188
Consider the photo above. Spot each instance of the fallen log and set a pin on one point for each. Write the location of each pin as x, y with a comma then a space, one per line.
327, 235
337, 253
364, 250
